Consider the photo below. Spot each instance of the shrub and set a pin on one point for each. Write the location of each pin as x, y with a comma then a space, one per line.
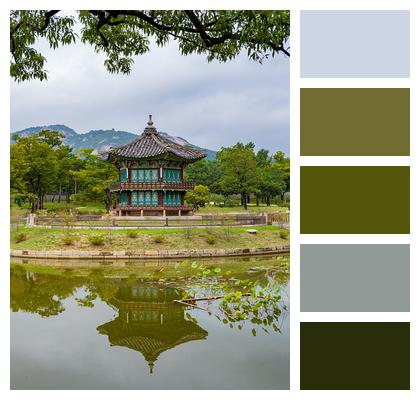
284, 235
20, 237
159, 239
210, 239
97, 240
231, 203
216, 198
132, 234
68, 240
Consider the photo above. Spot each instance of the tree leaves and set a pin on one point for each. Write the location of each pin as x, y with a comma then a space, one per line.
122, 34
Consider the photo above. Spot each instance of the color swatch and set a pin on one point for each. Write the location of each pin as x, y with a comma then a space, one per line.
354, 199
355, 44
355, 277
351, 118
355, 122
355, 355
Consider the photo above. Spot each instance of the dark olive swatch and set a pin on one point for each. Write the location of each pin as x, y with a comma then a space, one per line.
355, 122
355, 200
355, 355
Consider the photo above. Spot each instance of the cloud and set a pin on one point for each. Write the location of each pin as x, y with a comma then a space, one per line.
210, 104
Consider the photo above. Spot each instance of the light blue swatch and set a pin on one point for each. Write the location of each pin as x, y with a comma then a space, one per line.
355, 44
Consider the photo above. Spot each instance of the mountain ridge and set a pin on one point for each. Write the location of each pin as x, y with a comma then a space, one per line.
100, 139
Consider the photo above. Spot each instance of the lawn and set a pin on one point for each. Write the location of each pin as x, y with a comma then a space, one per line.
150, 239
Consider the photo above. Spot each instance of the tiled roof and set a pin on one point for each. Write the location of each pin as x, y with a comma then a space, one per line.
151, 144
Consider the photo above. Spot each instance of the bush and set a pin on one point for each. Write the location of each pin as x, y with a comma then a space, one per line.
68, 240
216, 198
159, 239
231, 203
97, 240
20, 237
210, 239
132, 234
284, 235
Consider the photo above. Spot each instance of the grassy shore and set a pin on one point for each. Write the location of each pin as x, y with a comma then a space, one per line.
151, 239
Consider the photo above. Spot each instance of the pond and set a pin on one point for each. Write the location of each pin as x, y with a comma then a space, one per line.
116, 325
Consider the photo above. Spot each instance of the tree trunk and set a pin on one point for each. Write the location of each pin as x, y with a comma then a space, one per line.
268, 201
33, 206
108, 200
59, 194
244, 201
257, 199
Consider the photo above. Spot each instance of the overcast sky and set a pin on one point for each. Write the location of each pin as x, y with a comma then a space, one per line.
209, 104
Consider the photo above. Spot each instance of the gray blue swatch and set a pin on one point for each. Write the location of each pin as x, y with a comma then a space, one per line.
355, 277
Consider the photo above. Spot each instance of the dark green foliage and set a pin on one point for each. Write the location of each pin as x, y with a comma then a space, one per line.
205, 172
122, 34
92, 179
239, 168
38, 164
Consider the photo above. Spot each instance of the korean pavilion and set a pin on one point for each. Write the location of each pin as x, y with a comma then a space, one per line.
149, 322
151, 174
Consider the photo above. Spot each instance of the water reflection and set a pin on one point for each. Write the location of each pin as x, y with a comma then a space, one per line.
83, 327
149, 322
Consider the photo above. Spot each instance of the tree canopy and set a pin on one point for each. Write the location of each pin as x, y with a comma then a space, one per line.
122, 34
41, 164
239, 167
93, 178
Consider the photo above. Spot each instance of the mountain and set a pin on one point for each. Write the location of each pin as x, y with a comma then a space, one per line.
68, 132
100, 140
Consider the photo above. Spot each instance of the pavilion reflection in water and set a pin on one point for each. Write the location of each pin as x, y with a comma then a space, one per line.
149, 322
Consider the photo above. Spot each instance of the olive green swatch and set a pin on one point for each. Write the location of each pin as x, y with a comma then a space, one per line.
355, 355
355, 122
355, 200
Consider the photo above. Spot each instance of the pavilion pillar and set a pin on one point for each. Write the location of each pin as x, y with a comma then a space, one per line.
160, 198
160, 173
179, 213
164, 212
141, 212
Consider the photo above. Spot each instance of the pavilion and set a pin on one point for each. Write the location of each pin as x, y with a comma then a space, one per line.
151, 174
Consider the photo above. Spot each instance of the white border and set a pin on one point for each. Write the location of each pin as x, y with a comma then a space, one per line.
295, 6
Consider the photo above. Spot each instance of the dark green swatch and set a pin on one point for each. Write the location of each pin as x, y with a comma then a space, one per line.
355, 355
353, 200
355, 122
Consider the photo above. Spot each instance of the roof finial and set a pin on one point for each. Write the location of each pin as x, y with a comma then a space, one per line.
150, 123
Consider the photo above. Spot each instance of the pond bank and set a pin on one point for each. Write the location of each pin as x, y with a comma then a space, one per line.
147, 254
